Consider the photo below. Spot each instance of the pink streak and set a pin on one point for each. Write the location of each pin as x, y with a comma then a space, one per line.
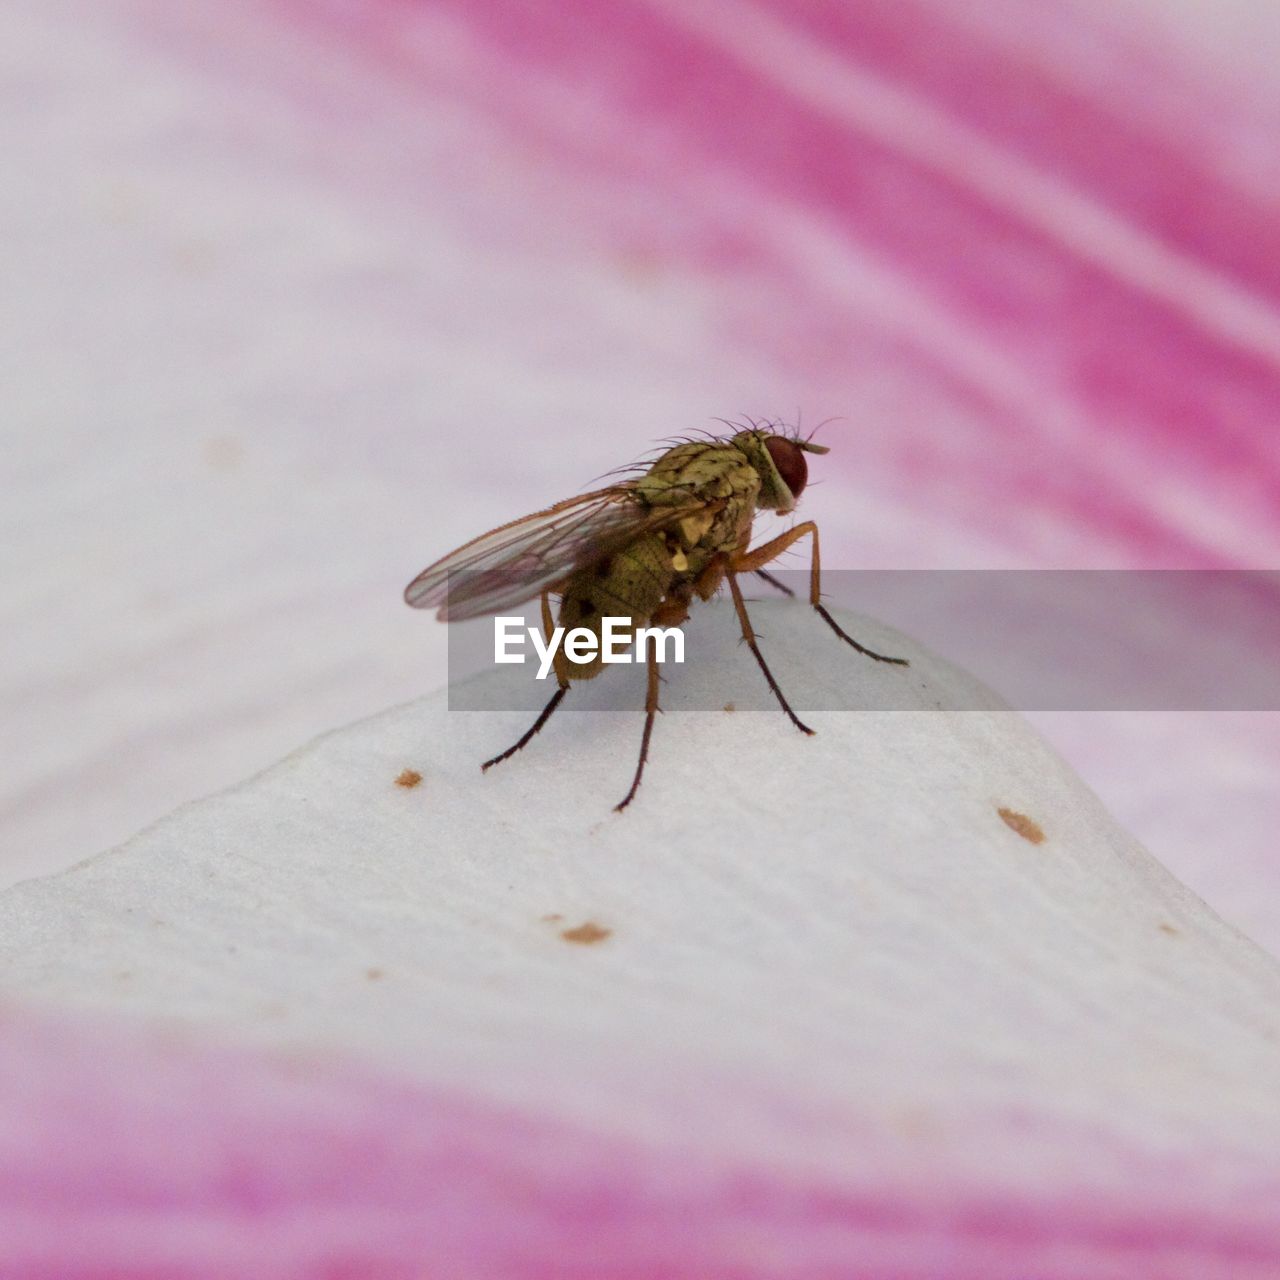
662, 112
1148, 140
130, 1155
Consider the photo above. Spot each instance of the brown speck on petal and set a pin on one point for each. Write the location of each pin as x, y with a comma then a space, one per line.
223, 453
1026, 827
1166, 927
409, 778
551, 917
586, 933
728, 706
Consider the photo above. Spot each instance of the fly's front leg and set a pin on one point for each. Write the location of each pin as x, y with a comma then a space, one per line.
548, 626
650, 710
750, 562
749, 635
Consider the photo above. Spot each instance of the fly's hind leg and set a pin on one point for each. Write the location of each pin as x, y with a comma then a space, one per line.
750, 562
545, 714
651, 709
773, 582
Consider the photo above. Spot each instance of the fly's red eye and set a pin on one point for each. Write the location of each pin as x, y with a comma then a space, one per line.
788, 457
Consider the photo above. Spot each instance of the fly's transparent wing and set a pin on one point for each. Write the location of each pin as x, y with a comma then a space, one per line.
515, 562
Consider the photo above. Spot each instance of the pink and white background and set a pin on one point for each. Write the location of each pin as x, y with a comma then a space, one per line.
299, 295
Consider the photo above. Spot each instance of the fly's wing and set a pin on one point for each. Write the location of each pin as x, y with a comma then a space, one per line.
515, 562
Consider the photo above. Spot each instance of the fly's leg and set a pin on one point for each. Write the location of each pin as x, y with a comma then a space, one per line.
752, 560
650, 710
773, 582
542, 719
749, 635
545, 714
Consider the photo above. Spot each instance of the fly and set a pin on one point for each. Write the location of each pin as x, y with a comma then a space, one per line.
642, 549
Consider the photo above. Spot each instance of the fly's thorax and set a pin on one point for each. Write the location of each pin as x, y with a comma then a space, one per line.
630, 584
701, 471
697, 540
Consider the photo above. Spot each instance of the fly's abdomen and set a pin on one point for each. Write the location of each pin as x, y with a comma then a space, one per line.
629, 585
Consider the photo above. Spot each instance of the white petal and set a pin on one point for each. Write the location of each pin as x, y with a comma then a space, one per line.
787, 945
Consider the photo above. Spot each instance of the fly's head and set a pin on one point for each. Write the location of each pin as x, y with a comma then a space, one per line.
780, 463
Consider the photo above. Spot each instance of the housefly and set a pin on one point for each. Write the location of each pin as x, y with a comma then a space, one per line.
642, 549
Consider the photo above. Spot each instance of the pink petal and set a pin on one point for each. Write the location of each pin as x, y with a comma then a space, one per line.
1090, 292
129, 1155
